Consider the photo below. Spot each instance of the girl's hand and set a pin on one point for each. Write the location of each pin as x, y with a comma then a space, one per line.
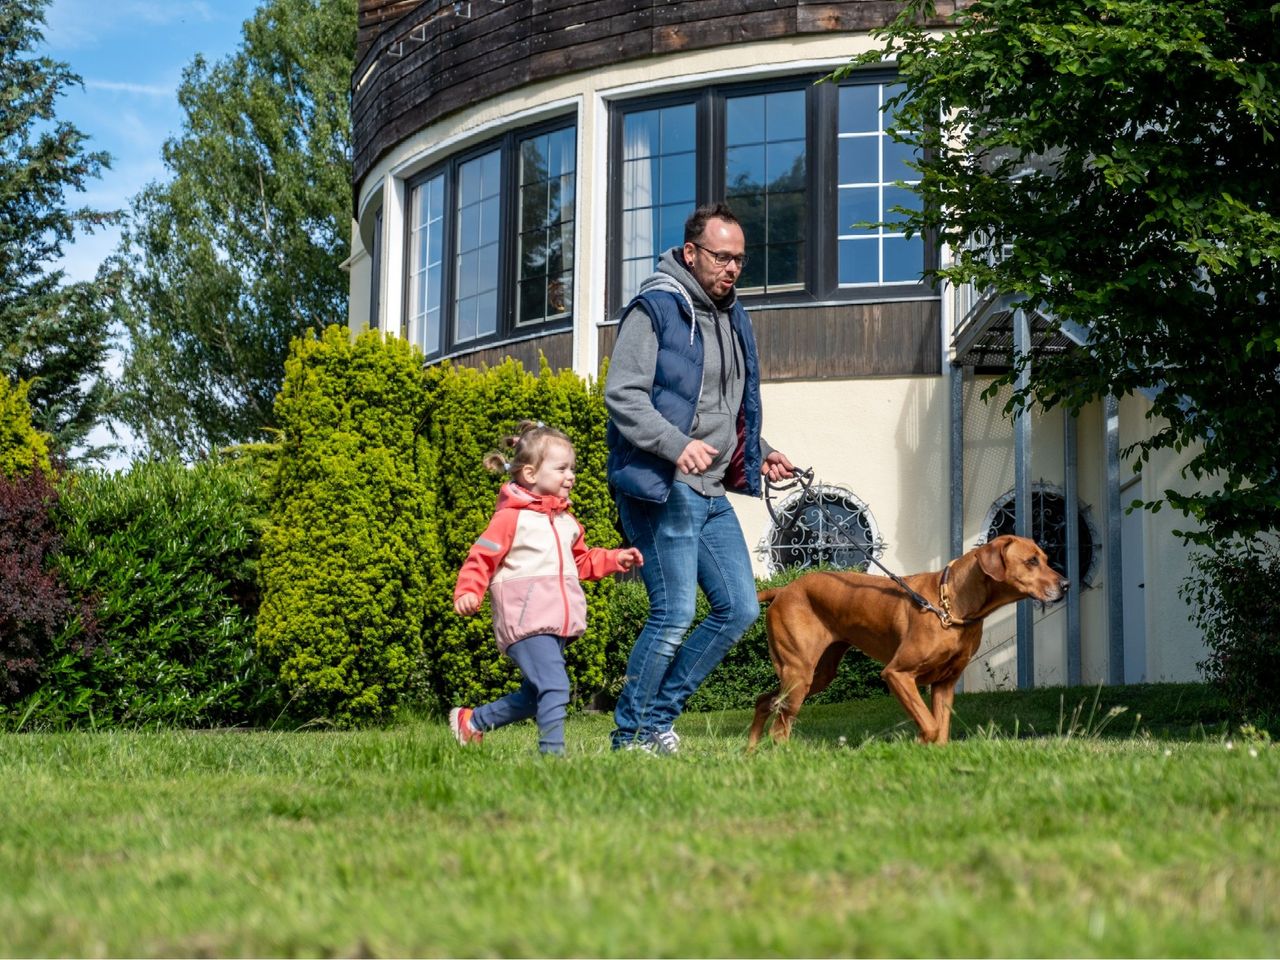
630, 557
466, 604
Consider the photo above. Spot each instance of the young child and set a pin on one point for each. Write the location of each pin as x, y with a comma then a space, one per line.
530, 558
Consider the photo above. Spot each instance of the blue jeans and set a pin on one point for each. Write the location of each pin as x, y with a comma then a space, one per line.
544, 693
687, 542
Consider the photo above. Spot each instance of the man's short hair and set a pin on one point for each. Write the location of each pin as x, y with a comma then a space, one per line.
697, 222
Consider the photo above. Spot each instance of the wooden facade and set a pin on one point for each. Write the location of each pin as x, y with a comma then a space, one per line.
421, 61
895, 339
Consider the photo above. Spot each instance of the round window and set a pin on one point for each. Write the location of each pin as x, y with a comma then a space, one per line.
825, 525
1049, 529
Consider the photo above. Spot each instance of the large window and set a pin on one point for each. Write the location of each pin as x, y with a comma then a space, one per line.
491, 242
870, 163
659, 186
810, 170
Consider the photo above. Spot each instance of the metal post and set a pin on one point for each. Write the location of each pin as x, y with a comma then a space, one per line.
1115, 560
1073, 571
957, 469
1022, 494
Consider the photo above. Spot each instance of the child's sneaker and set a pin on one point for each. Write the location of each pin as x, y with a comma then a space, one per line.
460, 724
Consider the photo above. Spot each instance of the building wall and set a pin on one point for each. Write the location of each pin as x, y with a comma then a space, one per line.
885, 438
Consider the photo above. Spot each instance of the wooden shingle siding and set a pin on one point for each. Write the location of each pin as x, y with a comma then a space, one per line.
556, 347
419, 62
845, 340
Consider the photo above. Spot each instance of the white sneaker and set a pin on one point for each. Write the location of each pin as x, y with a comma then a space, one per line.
664, 742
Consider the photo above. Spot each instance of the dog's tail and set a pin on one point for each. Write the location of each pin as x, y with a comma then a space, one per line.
766, 596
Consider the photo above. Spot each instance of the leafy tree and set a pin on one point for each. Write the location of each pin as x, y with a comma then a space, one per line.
1114, 160
52, 334
240, 252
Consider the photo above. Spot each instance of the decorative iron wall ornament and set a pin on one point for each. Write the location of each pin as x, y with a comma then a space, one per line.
1049, 529
825, 525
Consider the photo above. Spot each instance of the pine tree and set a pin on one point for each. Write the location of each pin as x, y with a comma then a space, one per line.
53, 334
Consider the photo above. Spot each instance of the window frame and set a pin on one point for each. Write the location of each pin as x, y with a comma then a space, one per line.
821, 270
507, 329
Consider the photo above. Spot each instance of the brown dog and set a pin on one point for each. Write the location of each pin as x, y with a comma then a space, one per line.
816, 618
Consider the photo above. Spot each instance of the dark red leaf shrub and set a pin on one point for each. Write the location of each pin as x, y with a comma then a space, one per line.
35, 605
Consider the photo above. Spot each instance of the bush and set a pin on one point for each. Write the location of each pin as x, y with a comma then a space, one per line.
746, 671
170, 553
1233, 604
37, 609
469, 411
343, 580
23, 448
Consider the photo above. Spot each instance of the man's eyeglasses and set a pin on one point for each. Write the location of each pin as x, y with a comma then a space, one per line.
722, 259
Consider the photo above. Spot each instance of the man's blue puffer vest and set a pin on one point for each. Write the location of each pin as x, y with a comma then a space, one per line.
677, 382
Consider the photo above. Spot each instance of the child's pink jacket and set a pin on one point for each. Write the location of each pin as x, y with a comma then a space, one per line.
530, 558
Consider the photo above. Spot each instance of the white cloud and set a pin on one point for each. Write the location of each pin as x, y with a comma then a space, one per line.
142, 89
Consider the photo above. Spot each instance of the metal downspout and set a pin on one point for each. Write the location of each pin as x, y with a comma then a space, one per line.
1115, 560
1071, 495
1022, 493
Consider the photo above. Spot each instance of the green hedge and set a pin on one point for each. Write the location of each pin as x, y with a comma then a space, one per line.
167, 555
343, 578
469, 411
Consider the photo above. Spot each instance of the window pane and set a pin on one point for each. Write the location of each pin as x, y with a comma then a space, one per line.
786, 218
658, 193
903, 259
671, 227
859, 261
744, 120
870, 162
678, 132
785, 115
896, 158
764, 171
546, 224
860, 108
640, 183
679, 179
859, 160
425, 268
899, 197
640, 135
744, 170
476, 261
858, 205
785, 165
562, 152
786, 264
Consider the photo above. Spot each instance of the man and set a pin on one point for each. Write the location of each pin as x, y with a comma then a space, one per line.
683, 395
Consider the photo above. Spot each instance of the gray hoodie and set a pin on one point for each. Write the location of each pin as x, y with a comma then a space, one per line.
628, 392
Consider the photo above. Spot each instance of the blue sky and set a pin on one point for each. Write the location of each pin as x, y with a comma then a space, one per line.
131, 54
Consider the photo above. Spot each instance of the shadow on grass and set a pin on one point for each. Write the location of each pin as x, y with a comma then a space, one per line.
1163, 711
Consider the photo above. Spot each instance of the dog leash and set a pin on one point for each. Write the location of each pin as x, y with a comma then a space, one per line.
804, 480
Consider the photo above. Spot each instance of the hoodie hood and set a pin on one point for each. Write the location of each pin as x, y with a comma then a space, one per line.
512, 496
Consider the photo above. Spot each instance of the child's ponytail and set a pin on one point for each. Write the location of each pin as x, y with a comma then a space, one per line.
527, 447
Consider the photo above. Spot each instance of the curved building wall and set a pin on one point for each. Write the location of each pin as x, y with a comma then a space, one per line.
857, 379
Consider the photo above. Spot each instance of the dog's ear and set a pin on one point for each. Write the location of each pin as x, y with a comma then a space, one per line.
991, 559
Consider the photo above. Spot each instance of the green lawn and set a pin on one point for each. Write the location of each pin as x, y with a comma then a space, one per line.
398, 842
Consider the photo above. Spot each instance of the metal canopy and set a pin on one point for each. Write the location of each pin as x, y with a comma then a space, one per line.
984, 339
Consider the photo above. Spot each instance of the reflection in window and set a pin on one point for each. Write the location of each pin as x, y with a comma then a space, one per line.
869, 163
659, 184
547, 165
426, 264
475, 297
764, 184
